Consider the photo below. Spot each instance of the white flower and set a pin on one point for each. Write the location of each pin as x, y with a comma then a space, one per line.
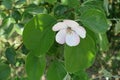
69, 32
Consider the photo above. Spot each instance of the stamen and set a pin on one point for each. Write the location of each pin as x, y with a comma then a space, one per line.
69, 30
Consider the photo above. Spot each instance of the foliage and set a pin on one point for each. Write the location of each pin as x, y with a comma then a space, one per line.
28, 50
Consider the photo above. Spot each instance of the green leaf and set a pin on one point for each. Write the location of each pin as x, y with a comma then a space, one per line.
9, 31
19, 78
38, 35
80, 57
62, 11
37, 2
7, 21
92, 4
117, 28
56, 71
2, 15
20, 2
91, 34
71, 3
95, 20
34, 9
10, 55
35, 66
4, 71
51, 1
67, 77
106, 6
102, 40
18, 28
26, 17
7, 3
106, 73
16, 15
81, 75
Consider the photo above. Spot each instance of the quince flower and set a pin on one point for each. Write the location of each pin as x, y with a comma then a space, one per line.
69, 32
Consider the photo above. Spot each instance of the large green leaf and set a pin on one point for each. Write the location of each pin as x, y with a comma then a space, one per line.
95, 20
81, 75
35, 9
56, 71
63, 11
26, 17
20, 2
102, 40
117, 28
71, 3
38, 35
35, 66
92, 4
80, 57
4, 71
10, 55
51, 1
7, 3
106, 6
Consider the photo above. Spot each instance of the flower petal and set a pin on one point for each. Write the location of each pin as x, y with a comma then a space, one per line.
59, 26
60, 37
72, 39
70, 23
80, 31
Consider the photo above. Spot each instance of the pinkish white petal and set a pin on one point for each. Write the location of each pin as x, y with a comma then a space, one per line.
59, 26
80, 31
60, 36
72, 39
70, 23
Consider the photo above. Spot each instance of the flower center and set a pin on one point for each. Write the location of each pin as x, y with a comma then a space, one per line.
69, 30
